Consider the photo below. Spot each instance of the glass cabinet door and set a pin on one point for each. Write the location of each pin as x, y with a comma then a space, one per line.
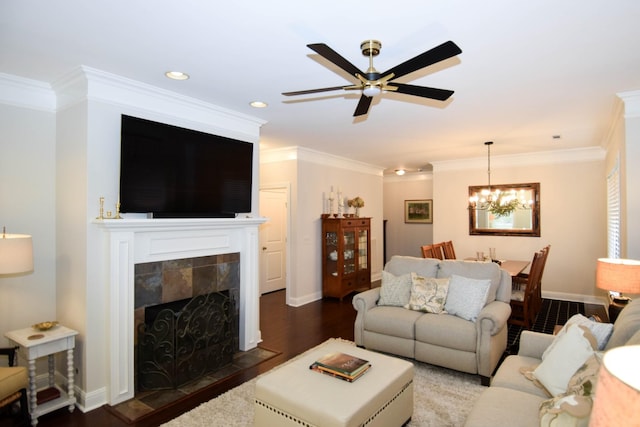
349, 252
362, 249
331, 242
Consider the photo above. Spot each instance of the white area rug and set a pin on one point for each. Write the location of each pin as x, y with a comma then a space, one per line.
442, 397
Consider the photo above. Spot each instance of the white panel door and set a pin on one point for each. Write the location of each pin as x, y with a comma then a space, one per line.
273, 238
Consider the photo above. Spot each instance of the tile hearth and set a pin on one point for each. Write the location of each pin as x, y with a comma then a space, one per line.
146, 403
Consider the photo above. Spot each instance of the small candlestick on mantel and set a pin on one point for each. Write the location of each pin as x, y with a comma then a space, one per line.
101, 212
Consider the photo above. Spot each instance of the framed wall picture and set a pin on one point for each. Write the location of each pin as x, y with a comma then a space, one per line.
418, 211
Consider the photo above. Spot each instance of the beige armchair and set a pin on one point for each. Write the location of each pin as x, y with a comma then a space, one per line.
13, 385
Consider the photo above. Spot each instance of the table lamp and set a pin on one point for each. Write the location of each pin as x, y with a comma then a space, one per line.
618, 275
16, 253
618, 390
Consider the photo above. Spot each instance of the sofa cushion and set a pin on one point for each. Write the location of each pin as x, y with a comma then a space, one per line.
437, 329
466, 296
568, 353
428, 294
395, 290
473, 270
627, 324
503, 407
509, 375
399, 265
601, 331
395, 321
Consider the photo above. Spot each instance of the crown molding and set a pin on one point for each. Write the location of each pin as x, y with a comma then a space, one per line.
27, 93
312, 156
574, 155
631, 100
85, 83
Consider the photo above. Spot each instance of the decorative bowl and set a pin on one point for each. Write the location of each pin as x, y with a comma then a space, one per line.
44, 326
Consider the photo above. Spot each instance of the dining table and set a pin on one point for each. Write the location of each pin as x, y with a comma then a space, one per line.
513, 267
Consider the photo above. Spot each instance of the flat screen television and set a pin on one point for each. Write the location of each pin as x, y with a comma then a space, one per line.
173, 172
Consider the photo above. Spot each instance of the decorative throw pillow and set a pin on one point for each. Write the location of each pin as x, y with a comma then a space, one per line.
395, 290
601, 331
466, 297
573, 408
428, 294
473, 270
569, 353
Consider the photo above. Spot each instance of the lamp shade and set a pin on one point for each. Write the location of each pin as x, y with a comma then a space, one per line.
617, 399
621, 275
16, 253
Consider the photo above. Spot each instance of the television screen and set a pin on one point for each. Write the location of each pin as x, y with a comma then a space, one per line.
174, 172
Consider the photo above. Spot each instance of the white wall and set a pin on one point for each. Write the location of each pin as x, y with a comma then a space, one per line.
27, 206
631, 160
311, 175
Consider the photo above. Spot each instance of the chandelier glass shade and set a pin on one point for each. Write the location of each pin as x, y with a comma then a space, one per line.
499, 203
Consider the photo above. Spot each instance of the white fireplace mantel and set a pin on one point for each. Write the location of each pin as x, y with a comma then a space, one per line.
134, 241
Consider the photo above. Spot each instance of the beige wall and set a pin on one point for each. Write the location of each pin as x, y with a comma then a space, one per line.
573, 214
572, 219
406, 239
311, 174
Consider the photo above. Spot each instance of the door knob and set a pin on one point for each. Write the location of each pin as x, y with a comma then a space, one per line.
264, 248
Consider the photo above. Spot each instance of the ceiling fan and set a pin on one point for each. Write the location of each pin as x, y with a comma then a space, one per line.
373, 83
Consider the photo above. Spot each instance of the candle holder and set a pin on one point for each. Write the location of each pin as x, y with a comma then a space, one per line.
101, 212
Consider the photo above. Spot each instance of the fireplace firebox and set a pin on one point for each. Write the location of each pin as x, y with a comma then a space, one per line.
184, 340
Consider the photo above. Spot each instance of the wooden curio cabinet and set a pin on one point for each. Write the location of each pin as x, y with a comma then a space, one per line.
346, 256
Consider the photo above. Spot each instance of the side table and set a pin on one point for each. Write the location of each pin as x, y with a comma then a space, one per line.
34, 344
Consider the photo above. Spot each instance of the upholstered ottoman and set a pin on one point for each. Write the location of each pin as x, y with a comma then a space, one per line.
294, 395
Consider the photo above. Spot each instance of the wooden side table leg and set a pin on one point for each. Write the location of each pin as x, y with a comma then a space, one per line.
32, 392
52, 367
71, 379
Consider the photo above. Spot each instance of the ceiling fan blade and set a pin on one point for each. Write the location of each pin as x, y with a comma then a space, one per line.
334, 57
439, 53
425, 92
363, 106
308, 91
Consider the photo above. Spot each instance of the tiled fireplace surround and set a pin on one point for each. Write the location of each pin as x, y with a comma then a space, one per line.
140, 241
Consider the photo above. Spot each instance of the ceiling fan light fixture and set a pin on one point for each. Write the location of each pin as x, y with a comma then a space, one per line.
371, 91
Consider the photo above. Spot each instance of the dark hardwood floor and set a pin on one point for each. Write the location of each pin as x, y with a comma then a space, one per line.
285, 329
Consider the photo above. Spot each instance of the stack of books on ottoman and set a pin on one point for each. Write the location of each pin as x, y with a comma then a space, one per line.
341, 365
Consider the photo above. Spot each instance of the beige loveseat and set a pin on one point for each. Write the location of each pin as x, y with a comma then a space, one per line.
474, 346
513, 399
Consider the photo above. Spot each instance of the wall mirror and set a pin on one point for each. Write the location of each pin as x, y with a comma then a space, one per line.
488, 219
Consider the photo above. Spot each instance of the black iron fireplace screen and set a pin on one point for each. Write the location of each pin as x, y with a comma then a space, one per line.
185, 340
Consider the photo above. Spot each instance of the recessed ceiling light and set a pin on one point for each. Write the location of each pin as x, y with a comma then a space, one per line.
258, 104
177, 75
400, 172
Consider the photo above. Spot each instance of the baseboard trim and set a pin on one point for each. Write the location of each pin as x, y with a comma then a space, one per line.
563, 296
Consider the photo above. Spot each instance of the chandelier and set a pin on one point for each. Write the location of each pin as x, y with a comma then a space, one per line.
499, 203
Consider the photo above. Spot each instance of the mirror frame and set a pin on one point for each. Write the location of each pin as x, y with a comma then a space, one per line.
535, 212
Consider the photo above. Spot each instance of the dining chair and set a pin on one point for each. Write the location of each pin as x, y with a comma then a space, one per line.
449, 252
522, 277
427, 251
13, 385
524, 308
438, 250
